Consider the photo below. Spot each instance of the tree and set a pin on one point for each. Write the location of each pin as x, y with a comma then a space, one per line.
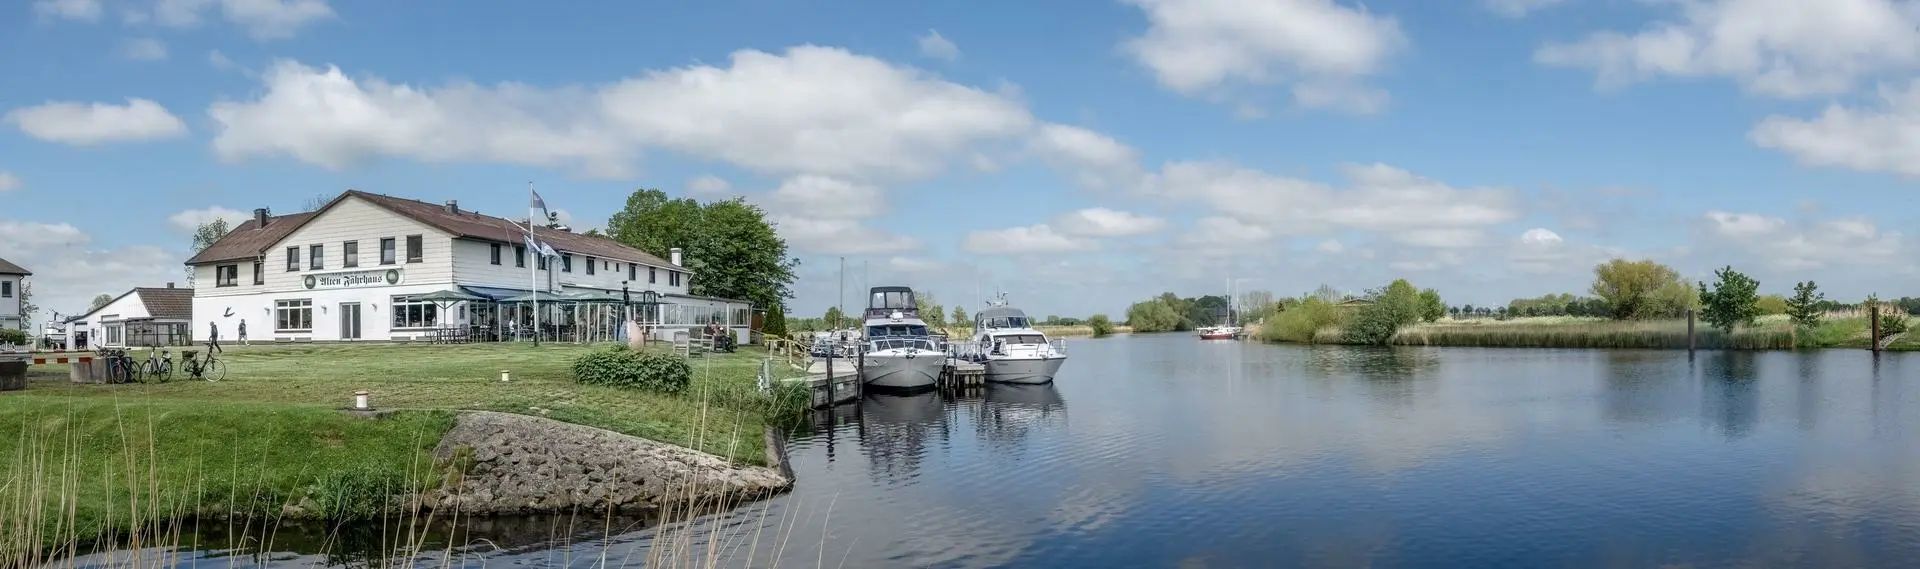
776, 321
1804, 308
1397, 305
833, 318
729, 244
959, 318
1771, 304
930, 310
1102, 327
99, 301
1205, 311
204, 236
1431, 307
1154, 315
27, 307
1641, 289
1731, 301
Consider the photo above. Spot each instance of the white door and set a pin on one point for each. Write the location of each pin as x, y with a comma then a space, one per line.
349, 321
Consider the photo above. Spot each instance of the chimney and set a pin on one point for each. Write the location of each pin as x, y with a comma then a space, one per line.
453, 207
674, 256
169, 284
260, 218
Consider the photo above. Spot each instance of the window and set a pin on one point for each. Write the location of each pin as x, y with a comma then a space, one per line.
386, 251
566, 262
543, 262
350, 254
293, 259
293, 315
6, 289
409, 313
116, 334
259, 273
496, 253
653, 275
226, 275
633, 272
590, 265
673, 278
414, 255
317, 257
520, 256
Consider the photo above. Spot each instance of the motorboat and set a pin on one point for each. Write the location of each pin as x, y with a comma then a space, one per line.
898, 350
1011, 349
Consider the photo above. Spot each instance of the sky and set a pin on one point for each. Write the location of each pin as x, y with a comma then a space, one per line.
1077, 156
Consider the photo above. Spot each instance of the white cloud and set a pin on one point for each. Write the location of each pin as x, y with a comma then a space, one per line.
144, 49
1540, 237
263, 19
67, 272
1040, 238
1518, 8
1884, 139
1199, 47
828, 197
830, 236
709, 185
1783, 245
1224, 232
914, 265
1380, 198
938, 47
9, 182
84, 10
220, 61
86, 124
1095, 160
1331, 247
1784, 48
1103, 222
189, 220
810, 110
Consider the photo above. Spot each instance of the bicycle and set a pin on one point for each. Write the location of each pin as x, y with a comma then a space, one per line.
158, 367
120, 366
208, 368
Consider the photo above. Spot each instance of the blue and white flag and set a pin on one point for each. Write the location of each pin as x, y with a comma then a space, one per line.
539, 247
536, 209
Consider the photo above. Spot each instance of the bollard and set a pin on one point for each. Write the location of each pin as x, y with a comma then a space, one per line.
360, 400
1690, 343
505, 376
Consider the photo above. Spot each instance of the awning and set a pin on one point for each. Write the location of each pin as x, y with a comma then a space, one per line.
446, 296
542, 296
494, 293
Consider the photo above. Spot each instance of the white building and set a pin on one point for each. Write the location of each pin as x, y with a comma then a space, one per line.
142, 317
13, 298
349, 271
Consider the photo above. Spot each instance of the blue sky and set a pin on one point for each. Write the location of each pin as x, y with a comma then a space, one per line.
1078, 155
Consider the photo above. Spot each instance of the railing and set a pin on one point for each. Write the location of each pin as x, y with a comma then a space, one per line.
794, 354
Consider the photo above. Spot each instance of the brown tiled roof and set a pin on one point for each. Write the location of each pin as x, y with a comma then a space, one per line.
248, 240
465, 224
489, 228
169, 303
8, 268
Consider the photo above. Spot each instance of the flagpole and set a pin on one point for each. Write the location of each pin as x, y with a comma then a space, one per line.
533, 270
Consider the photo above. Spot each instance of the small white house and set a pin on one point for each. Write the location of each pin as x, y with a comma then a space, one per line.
142, 317
13, 298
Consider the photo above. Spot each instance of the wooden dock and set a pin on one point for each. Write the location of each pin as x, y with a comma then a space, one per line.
962, 374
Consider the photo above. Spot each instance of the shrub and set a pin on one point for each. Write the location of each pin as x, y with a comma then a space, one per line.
1398, 305
1102, 326
12, 336
624, 368
1891, 324
1300, 321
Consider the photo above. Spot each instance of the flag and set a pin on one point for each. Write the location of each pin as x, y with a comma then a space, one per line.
537, 208
539, 248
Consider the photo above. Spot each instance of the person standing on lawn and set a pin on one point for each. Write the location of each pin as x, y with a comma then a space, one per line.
213, 338
243, 333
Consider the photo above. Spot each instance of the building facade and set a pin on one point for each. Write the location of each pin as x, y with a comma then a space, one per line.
142, 317
354, 271
13, 296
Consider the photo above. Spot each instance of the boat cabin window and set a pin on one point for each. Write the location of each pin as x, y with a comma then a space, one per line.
1021, 339
1007, 322
893, 300
896, 330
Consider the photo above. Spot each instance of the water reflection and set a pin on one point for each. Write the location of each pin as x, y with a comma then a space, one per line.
1730, 395
1011, 412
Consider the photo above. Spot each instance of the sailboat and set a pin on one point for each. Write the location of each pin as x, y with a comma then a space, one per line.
1226, 331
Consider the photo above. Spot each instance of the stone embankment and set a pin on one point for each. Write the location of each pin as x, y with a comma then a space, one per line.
517, 464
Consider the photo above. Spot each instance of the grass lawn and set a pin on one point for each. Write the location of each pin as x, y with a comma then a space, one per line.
721, 402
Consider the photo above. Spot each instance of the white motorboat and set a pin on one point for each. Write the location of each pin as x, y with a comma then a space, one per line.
899, 352
1014, 352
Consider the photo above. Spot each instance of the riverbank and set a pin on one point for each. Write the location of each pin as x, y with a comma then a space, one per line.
1770, 333
78, 461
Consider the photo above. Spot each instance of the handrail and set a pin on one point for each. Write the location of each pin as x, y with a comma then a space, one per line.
793, 353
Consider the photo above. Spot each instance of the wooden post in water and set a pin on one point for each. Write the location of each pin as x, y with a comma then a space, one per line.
1690, 342
1873, 323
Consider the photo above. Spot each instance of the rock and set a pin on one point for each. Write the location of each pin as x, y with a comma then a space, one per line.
527, 464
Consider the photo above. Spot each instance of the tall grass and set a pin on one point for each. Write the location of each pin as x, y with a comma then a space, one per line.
1767, 334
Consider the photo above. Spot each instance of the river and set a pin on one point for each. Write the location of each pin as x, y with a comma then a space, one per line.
1166, 451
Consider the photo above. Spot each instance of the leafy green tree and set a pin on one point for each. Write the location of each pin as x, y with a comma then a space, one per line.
959, 318
1102, 327
930, 310
1805, 306
99, 301
1205, 311
1431, 307
1397, 305
729, 244
1732, 300
1154, 315
1771, 304
834, 320
776, 320
204, 236
1641, 289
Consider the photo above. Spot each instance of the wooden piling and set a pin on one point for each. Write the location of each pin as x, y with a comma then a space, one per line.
1690, 338
1873, 323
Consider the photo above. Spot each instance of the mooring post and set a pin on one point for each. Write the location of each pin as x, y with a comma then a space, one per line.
1690, 342
1873, 322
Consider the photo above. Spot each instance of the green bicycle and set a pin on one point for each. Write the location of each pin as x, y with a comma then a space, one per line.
208, 368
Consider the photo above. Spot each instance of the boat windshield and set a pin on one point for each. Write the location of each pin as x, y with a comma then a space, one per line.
892, 300
1020, 339
897, 331
1007, 322
902, 343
